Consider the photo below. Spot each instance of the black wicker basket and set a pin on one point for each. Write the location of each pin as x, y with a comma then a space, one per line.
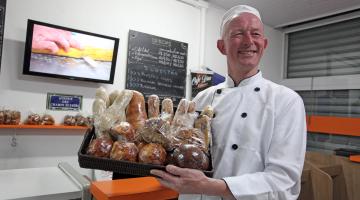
122, 167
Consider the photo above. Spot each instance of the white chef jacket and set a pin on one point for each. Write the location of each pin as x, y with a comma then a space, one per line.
259, 138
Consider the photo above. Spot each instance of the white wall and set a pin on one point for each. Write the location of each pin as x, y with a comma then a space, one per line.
166, 18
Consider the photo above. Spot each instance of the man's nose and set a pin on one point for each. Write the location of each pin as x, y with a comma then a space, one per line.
247, 40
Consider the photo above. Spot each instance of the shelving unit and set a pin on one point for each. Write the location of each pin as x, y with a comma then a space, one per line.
25, 126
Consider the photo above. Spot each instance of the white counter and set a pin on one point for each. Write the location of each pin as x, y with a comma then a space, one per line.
37, 183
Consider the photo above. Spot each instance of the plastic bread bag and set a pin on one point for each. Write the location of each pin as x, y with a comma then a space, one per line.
100, 147
190, 136
100, 93
47, 119
113, 95
135, 111
15, 117
153, 106
115, 113
80, 120
126, 151
152, 153
156, 130
33, 119
189, 156
123, 131
98, 107
69, 120
2, 116
167, 110
191, 115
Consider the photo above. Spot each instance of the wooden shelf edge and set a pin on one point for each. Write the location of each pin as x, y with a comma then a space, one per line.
25, 126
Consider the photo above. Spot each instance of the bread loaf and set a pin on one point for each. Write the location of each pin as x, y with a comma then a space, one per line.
153, 106
135, 111
167, 110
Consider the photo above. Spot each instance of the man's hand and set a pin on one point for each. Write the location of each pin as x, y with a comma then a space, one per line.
45, 38
191, 181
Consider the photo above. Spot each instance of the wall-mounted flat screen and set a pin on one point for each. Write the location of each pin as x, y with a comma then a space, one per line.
62, 52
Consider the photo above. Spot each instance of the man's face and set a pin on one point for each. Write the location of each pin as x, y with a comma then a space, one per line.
243, 42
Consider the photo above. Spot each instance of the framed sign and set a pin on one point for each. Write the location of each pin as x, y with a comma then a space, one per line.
63, 102
200, 80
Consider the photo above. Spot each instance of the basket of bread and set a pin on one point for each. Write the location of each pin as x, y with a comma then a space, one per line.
131, 136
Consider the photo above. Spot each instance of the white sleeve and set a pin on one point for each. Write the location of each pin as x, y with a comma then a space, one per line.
281, 178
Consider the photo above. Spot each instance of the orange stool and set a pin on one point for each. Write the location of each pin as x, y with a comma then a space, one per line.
131, 189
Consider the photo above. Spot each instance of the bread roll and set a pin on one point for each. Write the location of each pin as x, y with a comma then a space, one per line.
33, 119
153, 106
135, 112
190, 156
100, 147
152, 154
15, 117
47, 120
123, 132
124, 151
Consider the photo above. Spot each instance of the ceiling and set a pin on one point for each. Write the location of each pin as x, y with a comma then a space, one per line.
279, 13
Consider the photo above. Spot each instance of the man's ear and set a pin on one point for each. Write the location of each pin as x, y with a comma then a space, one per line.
221, 46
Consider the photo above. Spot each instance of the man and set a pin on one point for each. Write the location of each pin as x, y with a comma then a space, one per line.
259, 132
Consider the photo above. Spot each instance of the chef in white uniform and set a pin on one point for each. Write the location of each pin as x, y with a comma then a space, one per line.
259, 128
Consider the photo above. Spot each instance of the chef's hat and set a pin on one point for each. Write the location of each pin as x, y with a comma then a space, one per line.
236, 11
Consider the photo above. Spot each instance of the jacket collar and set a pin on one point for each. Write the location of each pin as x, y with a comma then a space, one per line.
229, 83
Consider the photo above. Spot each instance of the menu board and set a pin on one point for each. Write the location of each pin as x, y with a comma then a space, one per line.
156, 65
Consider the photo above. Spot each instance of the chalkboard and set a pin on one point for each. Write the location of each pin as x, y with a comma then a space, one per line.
156, 65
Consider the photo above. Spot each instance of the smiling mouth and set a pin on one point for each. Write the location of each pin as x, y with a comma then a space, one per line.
247, 52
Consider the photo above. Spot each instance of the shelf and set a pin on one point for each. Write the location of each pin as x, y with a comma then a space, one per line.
334, 125
25, 126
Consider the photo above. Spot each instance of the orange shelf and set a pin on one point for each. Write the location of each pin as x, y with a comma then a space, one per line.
334, 125
131, 189
355, 158
25, 126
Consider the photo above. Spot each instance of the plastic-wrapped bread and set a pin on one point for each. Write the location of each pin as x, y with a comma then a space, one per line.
152, 154
190, 156
191, 115
100, 147
47, 119
167, 110
15, 117
181, 110
98, 107
135, 111
7, 117
69, 120
2, 117
153, 106
156, 130
209, 111
115, 113
203, 123
100, 93
113, 95
124, 131
126, 151
33, 119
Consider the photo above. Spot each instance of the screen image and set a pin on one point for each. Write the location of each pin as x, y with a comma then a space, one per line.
62, 52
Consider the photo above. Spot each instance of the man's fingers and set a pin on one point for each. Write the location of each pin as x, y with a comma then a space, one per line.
164, 175
172, 169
